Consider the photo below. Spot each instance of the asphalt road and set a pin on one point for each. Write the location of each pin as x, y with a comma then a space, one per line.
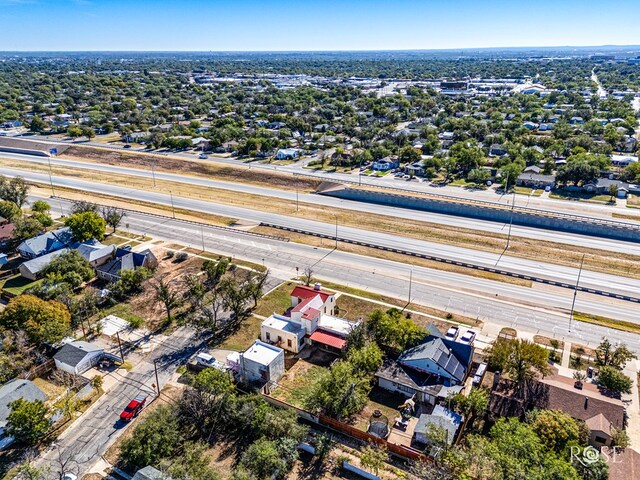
543, 312
594, 280
548, 204
88, 438
449, 220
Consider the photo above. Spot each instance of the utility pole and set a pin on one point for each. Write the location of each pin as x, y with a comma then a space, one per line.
155, 367
575, 292
336, 232
513, 206
202, 232
173, 210
297, 199
153, 172
120, 345
410, 285
53, 193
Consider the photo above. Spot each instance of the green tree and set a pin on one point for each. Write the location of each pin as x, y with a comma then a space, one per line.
392, 329
156, 437
10, 210
521, 359
14, 190
27, 421
556, 429
614, 380
214, 382
192, 464
27, 227
479, 176
215, 270
113, 216
70, 267
510, 173
130, 282
74, 132
86, 226
409, 154
339, 391
620, 438
372, 457
366, 359
263, 459
47, 321
614, 356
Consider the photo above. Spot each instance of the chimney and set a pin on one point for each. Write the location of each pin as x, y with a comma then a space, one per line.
317, 286
496, 379
586, 402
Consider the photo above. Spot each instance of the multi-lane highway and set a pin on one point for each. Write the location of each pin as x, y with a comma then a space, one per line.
537, 311
449, 220
562, 274
548, 204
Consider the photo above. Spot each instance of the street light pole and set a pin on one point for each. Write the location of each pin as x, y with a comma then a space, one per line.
297, 199
575, 292
155, 367
53, 193
173, 209
410, 285
153, 172
336, 232
513, 206
202, 232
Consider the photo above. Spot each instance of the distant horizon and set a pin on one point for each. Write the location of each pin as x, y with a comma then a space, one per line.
312, 25
411, 50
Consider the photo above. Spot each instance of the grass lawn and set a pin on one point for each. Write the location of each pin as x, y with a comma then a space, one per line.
581, 196
242, 339
297, 382
528, 191
382, 400
113, 240
277, 301
50, 389
458, 182
607, 322
17, 284
124, 311
633, 201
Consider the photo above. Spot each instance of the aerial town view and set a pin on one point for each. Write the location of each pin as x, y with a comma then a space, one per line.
280, 240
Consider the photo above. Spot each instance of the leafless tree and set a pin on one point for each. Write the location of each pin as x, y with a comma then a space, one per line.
307, 275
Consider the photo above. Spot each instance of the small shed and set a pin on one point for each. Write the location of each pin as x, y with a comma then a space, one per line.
262, 363
77, 357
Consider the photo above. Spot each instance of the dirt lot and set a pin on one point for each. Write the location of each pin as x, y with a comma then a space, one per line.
174, 165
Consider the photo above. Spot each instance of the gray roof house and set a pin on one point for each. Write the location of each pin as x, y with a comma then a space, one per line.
440, 417
602, 185
77, 357
14, 390
32, 269
150, 473
96, 253
45, 243
532, 179
125, 260
434, 356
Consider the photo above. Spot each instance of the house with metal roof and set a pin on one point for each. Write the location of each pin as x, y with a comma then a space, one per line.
439, 418
124, 260
46, 243
34, 268
96, 253
9, 392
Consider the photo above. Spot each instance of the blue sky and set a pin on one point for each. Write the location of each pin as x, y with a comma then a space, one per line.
241, 25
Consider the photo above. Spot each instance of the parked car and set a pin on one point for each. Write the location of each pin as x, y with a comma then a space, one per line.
477, 378
127, 146
468, 337
203, 156
452, 333
134, 407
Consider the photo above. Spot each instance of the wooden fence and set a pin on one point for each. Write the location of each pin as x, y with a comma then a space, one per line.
350, 431
39, 370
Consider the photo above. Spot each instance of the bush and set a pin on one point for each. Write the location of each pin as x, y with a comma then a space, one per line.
181, 256
170, 253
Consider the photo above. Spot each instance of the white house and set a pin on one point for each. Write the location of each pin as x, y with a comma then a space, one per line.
77, 357
310, 321
262, 363
287, 154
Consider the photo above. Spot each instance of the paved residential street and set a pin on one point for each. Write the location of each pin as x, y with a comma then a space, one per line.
88, 438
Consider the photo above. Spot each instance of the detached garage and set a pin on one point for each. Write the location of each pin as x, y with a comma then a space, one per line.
78, 357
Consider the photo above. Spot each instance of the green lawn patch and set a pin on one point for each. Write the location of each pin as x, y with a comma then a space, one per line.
276, 301
298, 383
581, 197
244, 337
607, 322
17, 284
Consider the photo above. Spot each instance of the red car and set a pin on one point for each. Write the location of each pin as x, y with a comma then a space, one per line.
133, 409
